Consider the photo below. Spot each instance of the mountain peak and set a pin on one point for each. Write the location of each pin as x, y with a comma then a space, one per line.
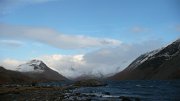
35, 61
38, 70
33, 66
178, 40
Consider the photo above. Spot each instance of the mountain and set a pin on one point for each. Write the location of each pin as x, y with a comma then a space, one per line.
39, 71
8, 76
159, 64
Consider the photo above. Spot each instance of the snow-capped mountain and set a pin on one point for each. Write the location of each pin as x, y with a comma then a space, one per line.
141, 59
33, 66
163, 63
39, 71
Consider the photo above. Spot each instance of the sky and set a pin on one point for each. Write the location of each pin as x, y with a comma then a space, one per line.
85, 37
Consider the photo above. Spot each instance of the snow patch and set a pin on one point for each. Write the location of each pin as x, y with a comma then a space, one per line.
143, 58
31, 66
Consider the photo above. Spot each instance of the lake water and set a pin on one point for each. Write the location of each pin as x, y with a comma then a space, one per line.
146, 90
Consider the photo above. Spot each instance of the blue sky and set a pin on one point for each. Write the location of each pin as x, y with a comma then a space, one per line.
37, 28
100, 18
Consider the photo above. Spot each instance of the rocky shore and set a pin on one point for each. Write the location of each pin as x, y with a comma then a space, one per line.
62, 93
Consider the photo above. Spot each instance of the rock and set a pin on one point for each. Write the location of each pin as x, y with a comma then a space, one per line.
137, 99
124, 98
107, 93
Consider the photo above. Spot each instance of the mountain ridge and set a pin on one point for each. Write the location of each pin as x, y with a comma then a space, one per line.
9, 76
163, 64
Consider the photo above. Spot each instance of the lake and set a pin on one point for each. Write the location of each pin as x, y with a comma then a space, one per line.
146, 90
135, 90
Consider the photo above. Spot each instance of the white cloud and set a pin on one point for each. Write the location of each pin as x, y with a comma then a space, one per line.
11, 43
178, 28
138, 29
67, 65
103, 61
6, 6
54, 38
10, 64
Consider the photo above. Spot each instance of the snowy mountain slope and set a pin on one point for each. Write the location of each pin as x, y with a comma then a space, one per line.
159, 64
142, 59
32, 66
39, 71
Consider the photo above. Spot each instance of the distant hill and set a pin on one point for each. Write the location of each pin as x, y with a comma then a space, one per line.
8, 76
158, 64
32, 71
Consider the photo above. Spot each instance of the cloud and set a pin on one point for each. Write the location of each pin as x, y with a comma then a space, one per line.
106, 61
54, 38
178, 28
116, 59
6, 6
67, 65
138, 29
11, 43
10, 64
